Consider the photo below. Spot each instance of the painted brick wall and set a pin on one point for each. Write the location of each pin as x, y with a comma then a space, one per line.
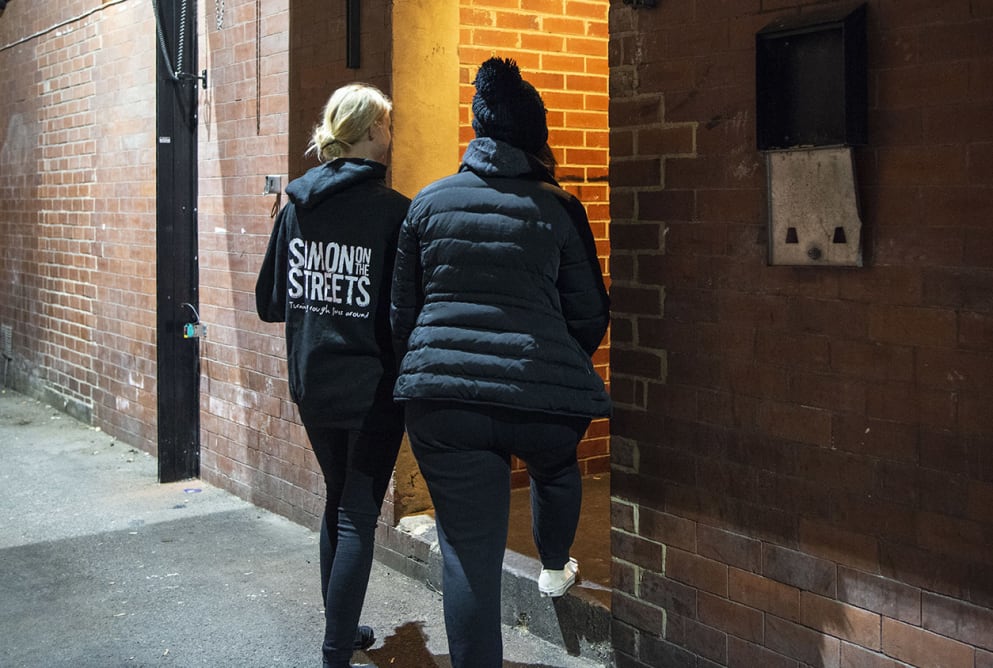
77, 215
561, 48
802, 457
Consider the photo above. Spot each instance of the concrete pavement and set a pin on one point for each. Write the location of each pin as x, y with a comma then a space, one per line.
102, 566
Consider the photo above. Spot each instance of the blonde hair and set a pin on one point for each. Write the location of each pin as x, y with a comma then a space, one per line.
347, 116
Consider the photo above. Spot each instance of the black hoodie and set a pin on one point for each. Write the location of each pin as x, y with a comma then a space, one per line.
326, 274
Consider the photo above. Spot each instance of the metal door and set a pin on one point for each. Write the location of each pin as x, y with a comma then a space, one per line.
177, 272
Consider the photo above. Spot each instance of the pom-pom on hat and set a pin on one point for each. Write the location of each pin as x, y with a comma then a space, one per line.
508, 108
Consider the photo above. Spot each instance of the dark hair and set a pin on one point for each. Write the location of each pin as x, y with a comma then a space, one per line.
546, 157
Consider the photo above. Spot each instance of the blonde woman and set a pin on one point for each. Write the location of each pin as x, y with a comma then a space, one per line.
326, 274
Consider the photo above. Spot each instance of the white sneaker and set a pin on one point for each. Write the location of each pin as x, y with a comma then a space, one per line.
555, 583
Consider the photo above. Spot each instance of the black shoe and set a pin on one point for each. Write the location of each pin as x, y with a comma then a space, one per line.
365, 637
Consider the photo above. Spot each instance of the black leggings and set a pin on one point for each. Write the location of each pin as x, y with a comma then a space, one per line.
464, 454
357, 466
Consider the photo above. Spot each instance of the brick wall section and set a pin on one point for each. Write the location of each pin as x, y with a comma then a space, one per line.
77, 271
124, 339
251, 442
801, 457
561, 48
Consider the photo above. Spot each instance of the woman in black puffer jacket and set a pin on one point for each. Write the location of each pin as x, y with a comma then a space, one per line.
499, 303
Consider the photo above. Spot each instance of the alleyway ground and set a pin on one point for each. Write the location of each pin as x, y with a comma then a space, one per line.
102, 566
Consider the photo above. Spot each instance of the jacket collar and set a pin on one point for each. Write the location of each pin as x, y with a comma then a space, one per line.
491, 157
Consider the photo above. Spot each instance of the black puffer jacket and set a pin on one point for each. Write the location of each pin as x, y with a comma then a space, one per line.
497, 291
326, 274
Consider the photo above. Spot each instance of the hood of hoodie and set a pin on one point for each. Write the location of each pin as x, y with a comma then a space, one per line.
320, 182
491, 157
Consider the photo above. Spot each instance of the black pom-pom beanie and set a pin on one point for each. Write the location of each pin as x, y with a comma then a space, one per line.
508, 108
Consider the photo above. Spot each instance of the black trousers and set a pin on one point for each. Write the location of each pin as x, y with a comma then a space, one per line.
357, 467
464, 454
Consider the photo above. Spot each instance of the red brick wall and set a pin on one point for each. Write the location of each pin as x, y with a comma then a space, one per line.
561, 48
802, 457
245, 446
77, 209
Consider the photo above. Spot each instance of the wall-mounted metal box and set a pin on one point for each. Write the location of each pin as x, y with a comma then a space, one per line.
811, 81
814, 215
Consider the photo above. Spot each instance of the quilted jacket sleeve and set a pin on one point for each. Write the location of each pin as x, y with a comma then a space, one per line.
406, 296
585, 304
